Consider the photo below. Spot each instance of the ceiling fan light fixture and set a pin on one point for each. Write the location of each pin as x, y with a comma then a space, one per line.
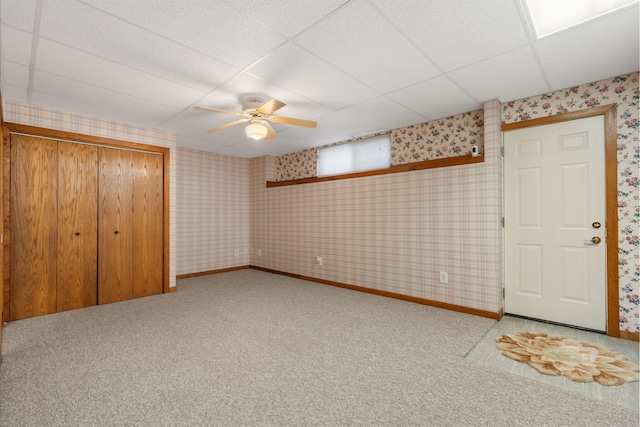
256, 130
259, 115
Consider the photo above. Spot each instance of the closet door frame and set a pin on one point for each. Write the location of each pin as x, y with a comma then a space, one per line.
15, 128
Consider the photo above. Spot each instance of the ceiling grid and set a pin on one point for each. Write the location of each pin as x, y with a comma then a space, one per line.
353, 66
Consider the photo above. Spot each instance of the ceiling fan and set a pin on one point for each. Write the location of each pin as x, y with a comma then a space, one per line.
259, 115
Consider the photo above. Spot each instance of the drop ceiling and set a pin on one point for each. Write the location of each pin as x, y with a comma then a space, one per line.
355, 66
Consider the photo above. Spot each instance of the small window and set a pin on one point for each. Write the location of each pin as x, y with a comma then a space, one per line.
367, 154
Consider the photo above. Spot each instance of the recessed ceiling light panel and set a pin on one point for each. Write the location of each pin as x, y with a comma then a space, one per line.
550, 16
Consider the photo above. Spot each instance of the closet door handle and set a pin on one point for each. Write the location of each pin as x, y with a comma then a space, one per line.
77, 233
116, 232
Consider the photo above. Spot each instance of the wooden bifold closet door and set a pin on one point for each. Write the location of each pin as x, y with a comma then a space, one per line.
86, 225
130, 225
34, 226
77, 225
54, 223
148, 202
115, 280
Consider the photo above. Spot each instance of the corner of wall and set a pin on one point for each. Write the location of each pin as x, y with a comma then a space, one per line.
493, 162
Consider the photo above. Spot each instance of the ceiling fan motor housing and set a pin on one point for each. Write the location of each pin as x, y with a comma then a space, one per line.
251, 106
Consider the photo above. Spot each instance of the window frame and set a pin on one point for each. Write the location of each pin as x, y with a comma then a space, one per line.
361, 156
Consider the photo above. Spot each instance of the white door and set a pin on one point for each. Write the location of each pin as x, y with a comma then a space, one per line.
555, 255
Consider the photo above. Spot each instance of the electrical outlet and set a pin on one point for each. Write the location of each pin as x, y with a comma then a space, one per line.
236, 252
319, 260
259, 252
444, 277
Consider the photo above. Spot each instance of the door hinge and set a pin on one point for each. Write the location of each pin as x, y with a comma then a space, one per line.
502, 221
502, 293
502, 151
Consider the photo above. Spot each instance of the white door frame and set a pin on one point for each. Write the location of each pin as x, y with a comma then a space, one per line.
611, 191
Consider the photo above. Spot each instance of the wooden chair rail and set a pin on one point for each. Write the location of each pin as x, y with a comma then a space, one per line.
406, 167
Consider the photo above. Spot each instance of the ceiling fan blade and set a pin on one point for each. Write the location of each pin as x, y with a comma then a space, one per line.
290, 121
228, 125
270, 132
216, 110
270, 106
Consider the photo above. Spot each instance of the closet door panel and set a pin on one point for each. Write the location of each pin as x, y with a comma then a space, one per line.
77, 226
147, 224
115, 226
34, 224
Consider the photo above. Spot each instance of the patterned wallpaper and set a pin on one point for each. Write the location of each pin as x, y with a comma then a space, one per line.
390, 232
437, 139
623, 90
43, 117
301, 164
213, 211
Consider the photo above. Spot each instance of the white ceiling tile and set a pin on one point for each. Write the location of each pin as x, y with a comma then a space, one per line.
387, 114
277, 149
351, 121
506, 77
15, 74
198, 119
88, 29
232, 93
359, 41
294, 69
435, 98
250, 148
365, 119
214, 27
244, 86
239, 150
15, 45
196, 144
183, 129
288, 17
18, 13
57, 59
273, 147
458, 33
86, 94
14, 93
148, 62
293, 144
606, 47
316, 137
195, 135
88, 110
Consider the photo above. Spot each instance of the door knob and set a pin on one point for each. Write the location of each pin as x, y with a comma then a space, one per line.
594, 240
596, 224
116, 232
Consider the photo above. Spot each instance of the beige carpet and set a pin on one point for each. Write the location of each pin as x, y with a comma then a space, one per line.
581, 361
249, 348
